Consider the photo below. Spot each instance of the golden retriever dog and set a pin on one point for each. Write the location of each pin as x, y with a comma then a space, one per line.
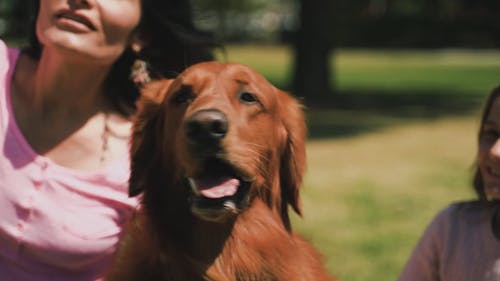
218, 155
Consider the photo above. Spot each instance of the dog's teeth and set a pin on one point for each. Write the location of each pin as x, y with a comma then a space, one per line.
230, 206
193, 186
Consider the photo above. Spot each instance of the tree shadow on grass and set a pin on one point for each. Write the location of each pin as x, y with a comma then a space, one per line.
351, 113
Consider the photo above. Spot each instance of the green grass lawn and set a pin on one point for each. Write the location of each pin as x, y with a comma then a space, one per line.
376, 178
453, 71
368, 198
468, 72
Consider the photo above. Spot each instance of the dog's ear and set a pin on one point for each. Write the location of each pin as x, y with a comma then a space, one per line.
155, 91
293, 158
144, 134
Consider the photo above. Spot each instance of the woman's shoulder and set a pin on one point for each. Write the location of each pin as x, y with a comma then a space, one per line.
4, 56
8, 56
3, 46
455, 217
465, 211
5, 50
472, 206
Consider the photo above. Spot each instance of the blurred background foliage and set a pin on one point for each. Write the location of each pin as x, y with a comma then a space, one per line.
314, 29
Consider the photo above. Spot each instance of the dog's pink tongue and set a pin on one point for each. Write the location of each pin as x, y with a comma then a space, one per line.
217, 188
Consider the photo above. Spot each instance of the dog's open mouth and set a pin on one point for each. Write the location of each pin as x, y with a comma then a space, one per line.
219, 191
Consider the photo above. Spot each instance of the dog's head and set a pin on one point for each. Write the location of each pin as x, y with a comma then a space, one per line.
227, 134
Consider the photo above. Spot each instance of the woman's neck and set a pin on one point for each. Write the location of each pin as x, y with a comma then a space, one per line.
61, 87
61, 111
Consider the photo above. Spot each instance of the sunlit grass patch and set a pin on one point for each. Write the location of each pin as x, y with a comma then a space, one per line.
450, 71
367, 199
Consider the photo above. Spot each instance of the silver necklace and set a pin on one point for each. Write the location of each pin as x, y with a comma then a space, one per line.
107, 133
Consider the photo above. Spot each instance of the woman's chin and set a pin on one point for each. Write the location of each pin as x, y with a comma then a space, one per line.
78, 47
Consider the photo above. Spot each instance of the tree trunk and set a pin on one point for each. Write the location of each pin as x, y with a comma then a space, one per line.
313, 43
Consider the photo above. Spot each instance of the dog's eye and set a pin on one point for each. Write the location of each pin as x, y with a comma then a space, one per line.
247, 97
184, 95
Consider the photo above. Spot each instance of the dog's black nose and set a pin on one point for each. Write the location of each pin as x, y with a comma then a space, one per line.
206, 125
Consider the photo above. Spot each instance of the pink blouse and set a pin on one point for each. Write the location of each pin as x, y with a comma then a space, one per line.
55, 223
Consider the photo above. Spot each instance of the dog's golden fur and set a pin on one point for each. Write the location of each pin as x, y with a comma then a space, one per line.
175, 236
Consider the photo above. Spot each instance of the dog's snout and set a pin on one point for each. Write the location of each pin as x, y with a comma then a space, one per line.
207, 124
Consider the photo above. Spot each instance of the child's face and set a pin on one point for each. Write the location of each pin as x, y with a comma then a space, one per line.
489, 152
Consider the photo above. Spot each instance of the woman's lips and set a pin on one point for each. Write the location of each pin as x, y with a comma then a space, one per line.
74, 20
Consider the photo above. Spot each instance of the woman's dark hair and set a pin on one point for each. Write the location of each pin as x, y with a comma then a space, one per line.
171, 43
478, 178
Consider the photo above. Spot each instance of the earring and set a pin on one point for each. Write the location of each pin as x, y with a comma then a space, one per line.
139, 73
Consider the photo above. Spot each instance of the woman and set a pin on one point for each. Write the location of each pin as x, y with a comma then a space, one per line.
65, 107
463, 241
